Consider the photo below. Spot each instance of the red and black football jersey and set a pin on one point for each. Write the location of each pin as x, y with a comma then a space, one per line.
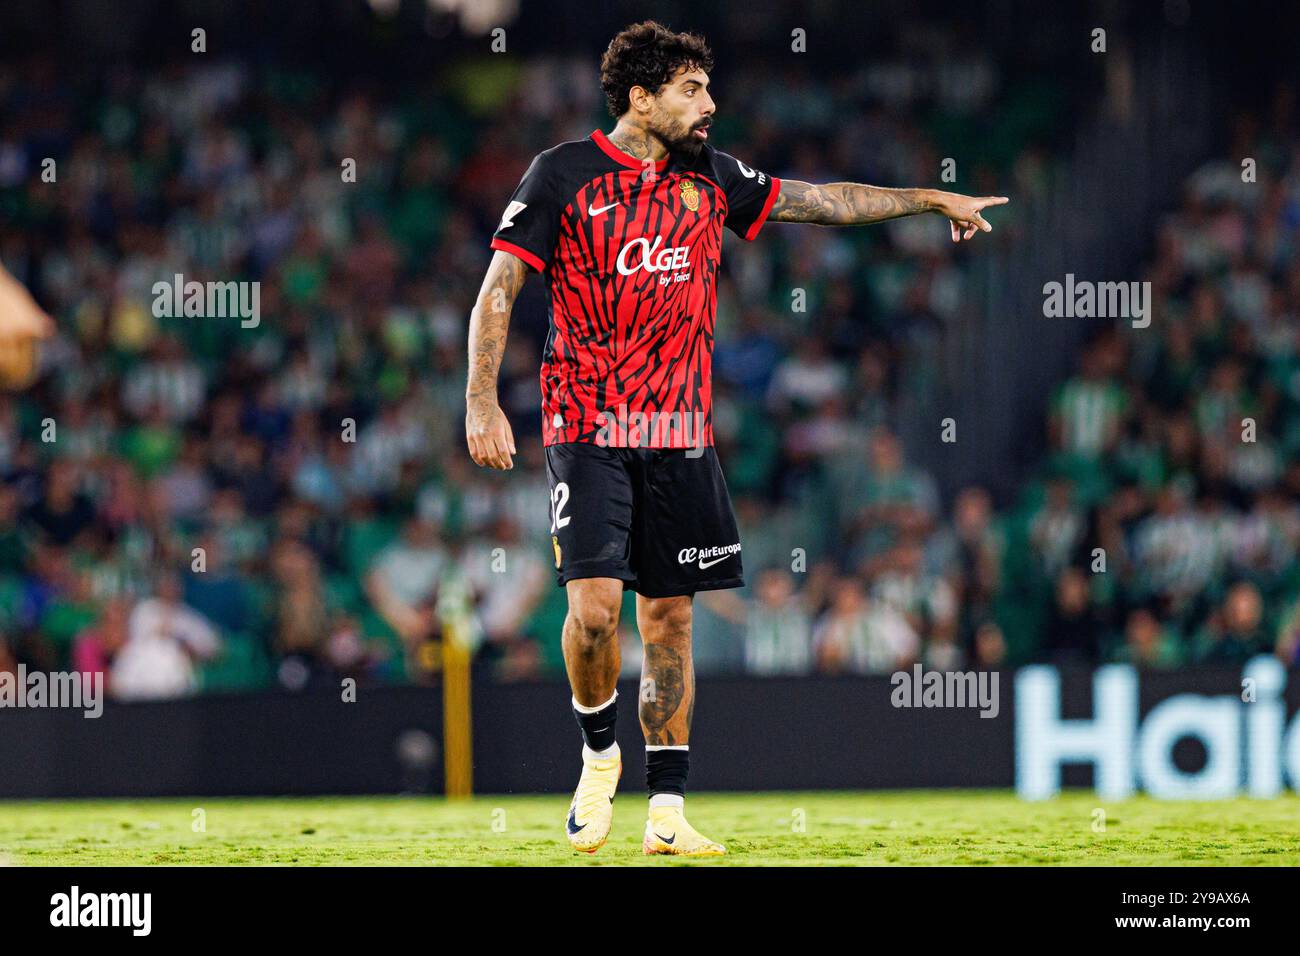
630, 253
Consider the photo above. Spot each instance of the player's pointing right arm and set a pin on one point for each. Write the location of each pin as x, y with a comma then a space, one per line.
857, 204
487, 430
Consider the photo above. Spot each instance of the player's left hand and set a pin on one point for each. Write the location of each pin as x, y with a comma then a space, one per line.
963, 213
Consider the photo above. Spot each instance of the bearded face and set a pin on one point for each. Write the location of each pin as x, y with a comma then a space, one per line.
682, 136
682, 113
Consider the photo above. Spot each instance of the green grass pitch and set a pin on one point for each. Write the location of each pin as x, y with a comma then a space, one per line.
768, 829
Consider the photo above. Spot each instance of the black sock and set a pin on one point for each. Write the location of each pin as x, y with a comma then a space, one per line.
598, 727
665, 771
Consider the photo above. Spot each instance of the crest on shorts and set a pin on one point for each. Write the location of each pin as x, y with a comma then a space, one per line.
690, 195
556, 542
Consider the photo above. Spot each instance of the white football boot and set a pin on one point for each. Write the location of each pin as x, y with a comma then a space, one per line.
591, 813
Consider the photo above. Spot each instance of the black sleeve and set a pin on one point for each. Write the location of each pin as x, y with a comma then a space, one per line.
531, 222
750, 195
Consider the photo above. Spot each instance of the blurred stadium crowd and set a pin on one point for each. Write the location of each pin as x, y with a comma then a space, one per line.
188, 504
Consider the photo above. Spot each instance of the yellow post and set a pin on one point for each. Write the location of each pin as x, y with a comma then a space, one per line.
457, 744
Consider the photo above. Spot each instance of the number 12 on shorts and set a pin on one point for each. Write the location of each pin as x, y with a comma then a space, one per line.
559, 498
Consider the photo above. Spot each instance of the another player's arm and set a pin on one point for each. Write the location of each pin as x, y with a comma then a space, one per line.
22, 324
20, 316
856, 204
487, 430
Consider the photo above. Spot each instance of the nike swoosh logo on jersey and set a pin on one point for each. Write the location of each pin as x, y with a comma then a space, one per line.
593, 211
708, 564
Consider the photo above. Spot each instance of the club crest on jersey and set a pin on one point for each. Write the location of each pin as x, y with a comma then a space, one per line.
690, 195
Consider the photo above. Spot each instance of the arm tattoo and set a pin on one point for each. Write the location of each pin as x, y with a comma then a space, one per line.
845, 204
488, 324
663, 666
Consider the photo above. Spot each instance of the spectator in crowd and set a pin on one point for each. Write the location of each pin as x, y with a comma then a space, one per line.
216, 590
1235, 631
403, 586
775, 626
165, 643
925, 599
886, 500
863, 636
990, 647
1057, 529
62, 513
1147, 643
97, 646
979, 548
509, 578
1073, 623
302, 617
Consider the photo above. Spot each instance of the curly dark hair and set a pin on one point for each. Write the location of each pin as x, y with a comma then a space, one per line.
647, 55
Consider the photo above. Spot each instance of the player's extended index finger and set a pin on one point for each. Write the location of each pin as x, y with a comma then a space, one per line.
992, 201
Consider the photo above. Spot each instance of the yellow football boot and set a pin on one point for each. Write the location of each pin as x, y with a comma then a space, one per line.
591, 813
668, 832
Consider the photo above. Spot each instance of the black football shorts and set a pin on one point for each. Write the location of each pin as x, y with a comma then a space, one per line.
656, 519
